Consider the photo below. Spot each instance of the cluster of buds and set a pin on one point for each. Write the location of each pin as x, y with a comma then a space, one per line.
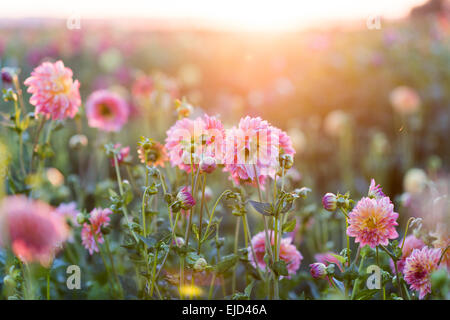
331, 202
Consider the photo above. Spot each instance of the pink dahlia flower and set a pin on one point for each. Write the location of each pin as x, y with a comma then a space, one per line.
405, 100
288, 252
418, 268
93, 231
32, 228
254, 144
188, 141
373, 222
54, 93
106, 110
411, 243
186, 199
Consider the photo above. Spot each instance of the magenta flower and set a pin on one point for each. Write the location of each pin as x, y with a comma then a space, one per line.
106, 110
318, 270
418, 268
329, 201
185, 198
54, 93
373, 222
288, 252
32, 228
327, 258
375, 191
411, 243
91, 234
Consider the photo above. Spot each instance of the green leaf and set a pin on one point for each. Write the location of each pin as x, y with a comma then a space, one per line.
262, 207
149, 241
340, 258
280, 268
248, 289
226, 263
289, 226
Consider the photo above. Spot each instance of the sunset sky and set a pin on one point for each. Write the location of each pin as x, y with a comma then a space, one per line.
250, 14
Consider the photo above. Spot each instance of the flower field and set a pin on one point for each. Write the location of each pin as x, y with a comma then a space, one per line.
192, 164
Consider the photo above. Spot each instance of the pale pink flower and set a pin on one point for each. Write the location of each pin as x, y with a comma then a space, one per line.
32, 228
411, 243
188, 141
288, 252
405, 100
69, 211
54, 93
93, 231
418, 268
372, 222
106, 110
375, 190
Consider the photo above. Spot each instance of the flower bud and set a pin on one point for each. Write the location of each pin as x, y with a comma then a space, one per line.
329, 201
178, 241
287, 161
81, 218
200, 265
208, 164
7, 77
318, 270
185, 198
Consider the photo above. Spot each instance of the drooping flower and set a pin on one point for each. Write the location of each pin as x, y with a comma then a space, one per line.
288, 252
152, 152
252, 151
32, 228
411, 243
372, 222
318, 270
185, 198
329, 201
106, 110
54, 93
418, 268
375, 190
188, 141
92, 232
405, 100
121, 155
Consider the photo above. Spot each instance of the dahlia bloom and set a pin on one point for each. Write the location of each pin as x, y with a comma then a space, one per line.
32, 228
288, 252
93, 231
253, 146
188, 141
373, 222
375, 190
405, 100
106, 110
418, 268
54, 93
318, 270
411, 243
152, 154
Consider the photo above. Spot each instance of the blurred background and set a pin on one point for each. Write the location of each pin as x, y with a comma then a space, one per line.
324, 71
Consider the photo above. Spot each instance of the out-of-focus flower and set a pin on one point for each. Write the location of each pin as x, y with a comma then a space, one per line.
122, 155
405, 100
411, 243
188, 141
415, 181
185, 198
54, 93
91, 234
373, 222
178, 241
208, 164
318, 270
69, 211
191, 291
335, 122
106, 110
418, 268
329, 201
375, 190
200, 264
152, 152
183, 108
288, 252
442, 242
32, 228
327, 258
298, 139
55, 177
7, 77
78, 141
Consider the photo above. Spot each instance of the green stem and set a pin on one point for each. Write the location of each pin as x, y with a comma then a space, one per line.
236, 240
